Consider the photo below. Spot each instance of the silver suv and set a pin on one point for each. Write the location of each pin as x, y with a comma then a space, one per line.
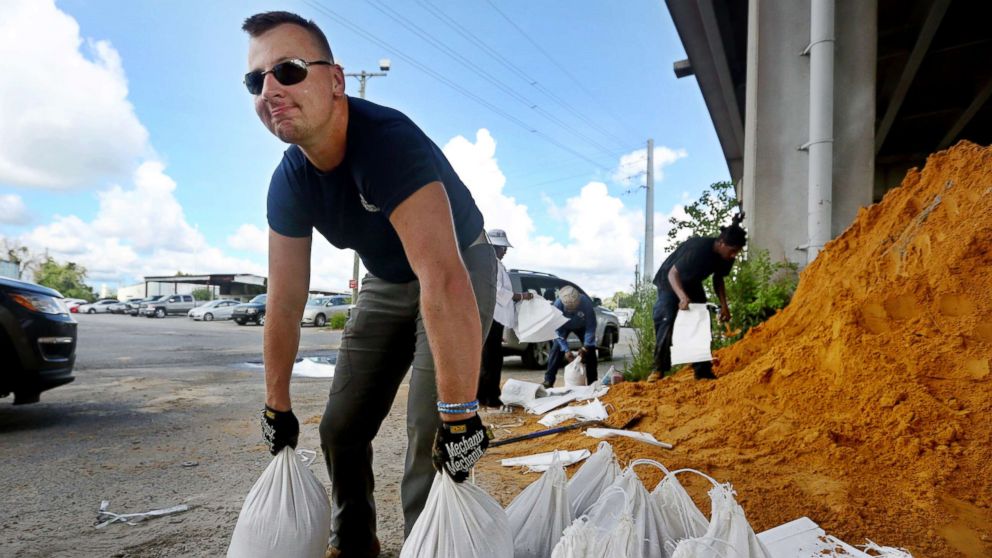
546, 285
172, 304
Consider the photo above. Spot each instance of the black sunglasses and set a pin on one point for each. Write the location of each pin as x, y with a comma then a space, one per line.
287, 72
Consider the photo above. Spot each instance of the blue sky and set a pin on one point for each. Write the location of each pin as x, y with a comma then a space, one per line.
145, 155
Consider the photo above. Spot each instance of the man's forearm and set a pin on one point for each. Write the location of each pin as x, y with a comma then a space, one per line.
281, 342
451, 318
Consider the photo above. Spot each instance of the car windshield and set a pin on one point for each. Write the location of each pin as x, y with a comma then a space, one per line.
317, 302
260, 299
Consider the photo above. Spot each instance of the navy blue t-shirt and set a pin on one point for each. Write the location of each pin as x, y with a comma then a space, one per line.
387, 159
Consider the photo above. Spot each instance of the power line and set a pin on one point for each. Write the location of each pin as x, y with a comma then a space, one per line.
475, 68
502, 60
559, 66
430, 72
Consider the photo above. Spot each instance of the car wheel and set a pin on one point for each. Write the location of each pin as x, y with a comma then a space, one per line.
160, 312
319, 321
261, 320
535, 356
91, 311
239, 321
208, 317
606, 353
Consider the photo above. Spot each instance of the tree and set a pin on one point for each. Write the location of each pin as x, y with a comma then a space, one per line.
20, 256
68, 279
202, 293
705, 216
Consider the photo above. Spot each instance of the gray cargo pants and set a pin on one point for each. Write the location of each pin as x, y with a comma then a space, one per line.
383, 337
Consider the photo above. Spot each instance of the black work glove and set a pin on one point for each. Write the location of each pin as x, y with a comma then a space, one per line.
280, 429
458, 445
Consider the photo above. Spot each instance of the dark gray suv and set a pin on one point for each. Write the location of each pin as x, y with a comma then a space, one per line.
546, 285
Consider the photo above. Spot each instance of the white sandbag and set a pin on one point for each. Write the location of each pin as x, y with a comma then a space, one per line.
592, 478
541, 462
606, 531
557, 397
575, 373
517, 392
539, 515
286, 513
649, 521
691, 335
729, 534
537, 320
594, 410
681, 517
459, 519
646, 437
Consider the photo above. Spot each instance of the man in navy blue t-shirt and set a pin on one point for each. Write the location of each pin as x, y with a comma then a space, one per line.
366, 178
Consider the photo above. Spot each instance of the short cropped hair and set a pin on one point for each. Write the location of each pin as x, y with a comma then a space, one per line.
259, 24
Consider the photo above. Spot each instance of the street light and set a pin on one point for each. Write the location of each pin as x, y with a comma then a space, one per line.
363, 77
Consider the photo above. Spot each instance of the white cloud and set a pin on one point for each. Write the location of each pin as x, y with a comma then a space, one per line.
137, 231
604, 235
13, 211
635, 164
249, 238
66, 117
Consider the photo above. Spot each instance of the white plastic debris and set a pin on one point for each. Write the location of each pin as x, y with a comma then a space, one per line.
594, 410
105, 517
645, 437
310, 368
520, 393
539, 462
803, 538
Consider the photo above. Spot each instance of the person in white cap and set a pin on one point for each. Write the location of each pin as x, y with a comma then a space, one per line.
504, 316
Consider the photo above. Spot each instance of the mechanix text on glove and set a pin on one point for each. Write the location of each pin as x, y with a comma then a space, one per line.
280, 429
459, 445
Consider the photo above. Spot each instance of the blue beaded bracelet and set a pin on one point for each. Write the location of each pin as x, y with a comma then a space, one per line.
458, 408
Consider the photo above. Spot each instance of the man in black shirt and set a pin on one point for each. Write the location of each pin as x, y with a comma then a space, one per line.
680, 281
367, 178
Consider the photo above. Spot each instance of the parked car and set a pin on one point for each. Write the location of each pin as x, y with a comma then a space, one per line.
546, 285
98, 307
137, 307
73, 304
169, 304
120, 307
214, 310
37, 340
319, 310
252, 311
624, 315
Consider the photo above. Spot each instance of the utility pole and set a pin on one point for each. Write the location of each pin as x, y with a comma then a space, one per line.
649, 215
363, 77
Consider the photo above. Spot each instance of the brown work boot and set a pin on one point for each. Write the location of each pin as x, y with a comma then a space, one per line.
372, 553
654, 376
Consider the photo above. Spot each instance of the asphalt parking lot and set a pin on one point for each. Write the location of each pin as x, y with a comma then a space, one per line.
165, 412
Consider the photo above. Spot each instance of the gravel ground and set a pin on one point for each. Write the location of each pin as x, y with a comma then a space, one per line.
164, 412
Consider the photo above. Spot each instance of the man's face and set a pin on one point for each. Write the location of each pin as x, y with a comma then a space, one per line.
726, 251
298, 113
500, 251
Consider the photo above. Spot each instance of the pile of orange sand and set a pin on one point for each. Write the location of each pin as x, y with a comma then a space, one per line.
866, 404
